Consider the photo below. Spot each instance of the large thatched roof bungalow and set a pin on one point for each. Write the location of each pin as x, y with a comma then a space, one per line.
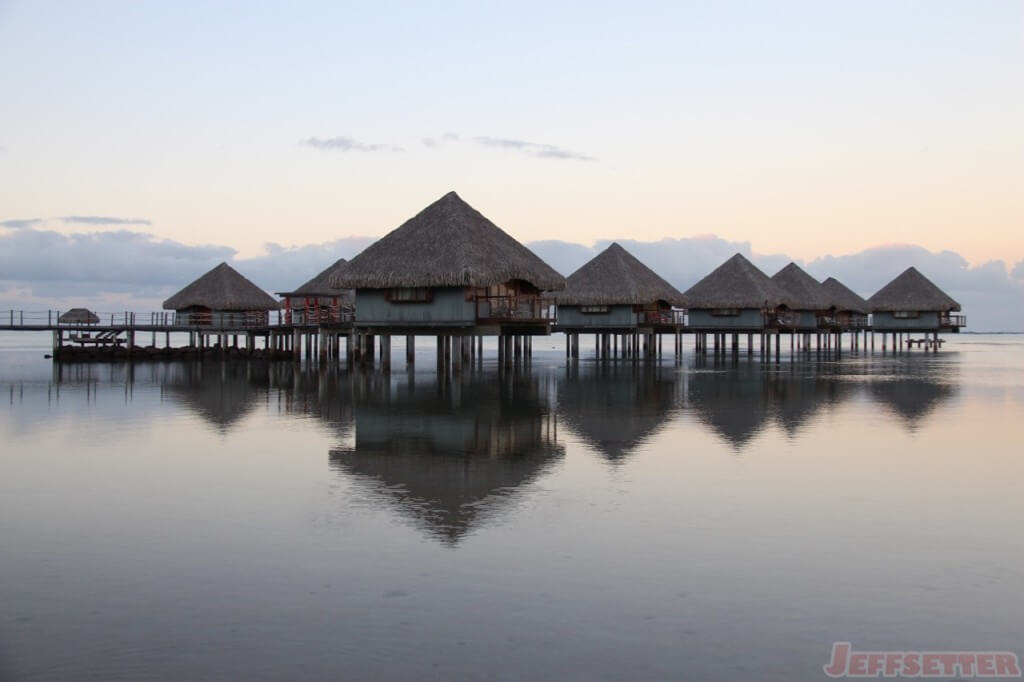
223, 299
847, 310
615, 291
911, 303
450, 267
808, 301
735, 297
319, 302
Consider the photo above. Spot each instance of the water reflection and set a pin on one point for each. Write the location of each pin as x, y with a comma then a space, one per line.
221, 393
615, 408
449, 454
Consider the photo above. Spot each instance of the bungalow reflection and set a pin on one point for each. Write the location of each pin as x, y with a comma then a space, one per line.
221, 393
912, 392
616, 408
449, 454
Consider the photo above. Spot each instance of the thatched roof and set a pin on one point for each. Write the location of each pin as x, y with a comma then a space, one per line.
912, 291
736, 283
842, 298
805, 291
79, 316
222, 289
321, 285
615, 276
447, 244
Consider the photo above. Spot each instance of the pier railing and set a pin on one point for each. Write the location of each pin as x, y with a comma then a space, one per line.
50, 319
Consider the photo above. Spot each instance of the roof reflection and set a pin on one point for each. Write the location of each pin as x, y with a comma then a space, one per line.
615, 408
448, 453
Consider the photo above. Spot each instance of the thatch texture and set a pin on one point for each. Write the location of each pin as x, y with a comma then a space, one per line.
79, 316
447, 244
320, 286
222, 289
912, 291
804, 291
614, 277
736, 283
842, 298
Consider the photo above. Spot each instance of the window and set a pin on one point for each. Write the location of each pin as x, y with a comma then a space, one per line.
410, 295
592, 309
906, 315
725, 312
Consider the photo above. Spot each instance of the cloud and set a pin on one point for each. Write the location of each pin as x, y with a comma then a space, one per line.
991, 296
103, 220
20, 223
433, 142
136, 271
536, 149
346, 144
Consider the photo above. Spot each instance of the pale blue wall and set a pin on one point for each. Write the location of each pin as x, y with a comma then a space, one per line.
449, 305
746, 319
882, 321
617, 316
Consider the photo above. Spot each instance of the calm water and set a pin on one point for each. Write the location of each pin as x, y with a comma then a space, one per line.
592, 522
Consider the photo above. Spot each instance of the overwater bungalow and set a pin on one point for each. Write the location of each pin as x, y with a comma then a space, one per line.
912, 303
615, 292
318, 302
736, 297
450, 267
809, 304
221, 299
79, 316
847, 310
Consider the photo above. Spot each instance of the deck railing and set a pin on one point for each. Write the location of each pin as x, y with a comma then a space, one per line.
516, 308
668, 317
843, 321
952, 320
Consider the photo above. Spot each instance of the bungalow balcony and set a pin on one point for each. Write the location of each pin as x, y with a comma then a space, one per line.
516, 308
952, 321
675, 318
844, 321
222, 319
314, 315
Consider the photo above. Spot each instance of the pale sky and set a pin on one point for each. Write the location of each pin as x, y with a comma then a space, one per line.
805, 128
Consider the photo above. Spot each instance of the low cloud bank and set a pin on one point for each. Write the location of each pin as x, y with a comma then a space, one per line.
128, 270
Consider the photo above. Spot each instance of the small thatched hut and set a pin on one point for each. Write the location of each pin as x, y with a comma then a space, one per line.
318, 302
736, 297
79, 316
449, 266
614, 290
848, 311
911, 302
809, 303
223, 299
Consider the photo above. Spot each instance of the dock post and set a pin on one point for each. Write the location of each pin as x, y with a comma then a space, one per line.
385, 352
410, 349
130, 335
517, 346
456, 354
296, 344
